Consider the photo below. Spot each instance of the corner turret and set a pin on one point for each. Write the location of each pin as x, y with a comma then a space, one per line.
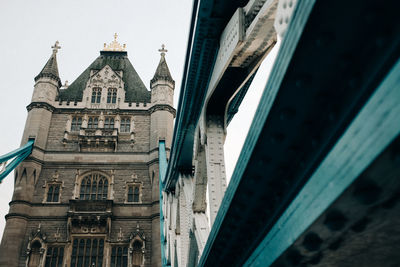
48, 82
162, 85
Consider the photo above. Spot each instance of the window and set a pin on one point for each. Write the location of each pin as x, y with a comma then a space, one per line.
87, 252
76, 124
109, 123
53, 193
133, 193
119, 256
96, 95
94, 187
125, 125
93, 123
112, 95
54, 256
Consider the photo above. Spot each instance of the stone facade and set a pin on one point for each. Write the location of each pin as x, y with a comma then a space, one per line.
88, 195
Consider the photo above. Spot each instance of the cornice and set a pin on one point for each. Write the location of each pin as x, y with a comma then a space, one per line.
40, 105
163, 107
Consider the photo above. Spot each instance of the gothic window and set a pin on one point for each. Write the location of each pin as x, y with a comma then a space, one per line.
137, 256
87, 252
109, 123
53, 193
34, 256
94, 187
76, 124
119, 256
54, 256
112, 95
96, 95
125, 125
133, 194
93, 123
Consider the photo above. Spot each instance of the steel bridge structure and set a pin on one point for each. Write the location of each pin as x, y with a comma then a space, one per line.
316, 183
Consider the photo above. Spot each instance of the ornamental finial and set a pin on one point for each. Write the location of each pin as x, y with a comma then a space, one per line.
163, 50
56, 47
114, 45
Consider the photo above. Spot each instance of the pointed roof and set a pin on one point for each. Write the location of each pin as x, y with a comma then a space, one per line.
162, 71
135, 90
50, 70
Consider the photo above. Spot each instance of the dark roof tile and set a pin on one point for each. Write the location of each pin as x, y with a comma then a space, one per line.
135, 90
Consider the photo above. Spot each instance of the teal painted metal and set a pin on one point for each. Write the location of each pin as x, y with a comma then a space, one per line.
374, 128
293, 34
19, 155
162, 167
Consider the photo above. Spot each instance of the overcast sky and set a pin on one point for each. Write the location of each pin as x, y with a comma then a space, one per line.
29, 28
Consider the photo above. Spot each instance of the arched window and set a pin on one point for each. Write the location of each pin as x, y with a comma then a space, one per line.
96, 95
112, 95
94, 187
137, 255
125, 125
136, 194
87, 252
119, 256
34, 257
130, 194
76, 124
109, 123
54, 256
93, 123
53, 193
133, 194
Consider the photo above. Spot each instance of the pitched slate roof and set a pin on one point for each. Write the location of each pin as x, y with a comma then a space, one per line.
135, 90
50, 70
162, 71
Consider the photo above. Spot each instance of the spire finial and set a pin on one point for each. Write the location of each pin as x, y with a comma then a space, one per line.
114, 45
56, 47
163, 50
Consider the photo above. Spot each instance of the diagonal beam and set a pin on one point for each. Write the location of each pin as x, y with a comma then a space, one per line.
20, 154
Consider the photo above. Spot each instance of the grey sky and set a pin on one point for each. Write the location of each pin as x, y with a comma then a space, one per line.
29, 28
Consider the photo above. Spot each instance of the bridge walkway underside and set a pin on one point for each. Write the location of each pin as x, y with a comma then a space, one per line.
315, 91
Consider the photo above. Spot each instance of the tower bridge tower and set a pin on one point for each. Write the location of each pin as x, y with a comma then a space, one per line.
88, 195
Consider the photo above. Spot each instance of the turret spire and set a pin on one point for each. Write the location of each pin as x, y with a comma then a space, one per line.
162, 72
50, 70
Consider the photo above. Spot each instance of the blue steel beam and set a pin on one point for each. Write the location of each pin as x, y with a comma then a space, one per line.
322, 77
20, 154
375, 127
209, 18
162, 165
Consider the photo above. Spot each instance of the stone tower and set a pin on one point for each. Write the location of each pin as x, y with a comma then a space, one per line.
88, 194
